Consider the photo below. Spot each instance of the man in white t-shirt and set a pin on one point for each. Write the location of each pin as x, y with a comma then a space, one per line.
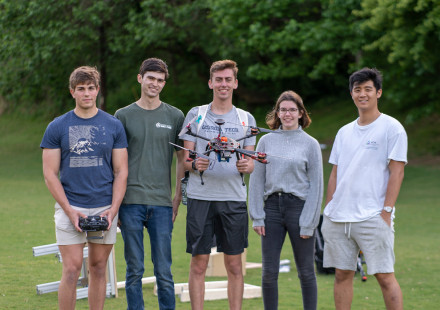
368, 157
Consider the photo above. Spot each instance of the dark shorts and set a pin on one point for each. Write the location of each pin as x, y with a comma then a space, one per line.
227, 220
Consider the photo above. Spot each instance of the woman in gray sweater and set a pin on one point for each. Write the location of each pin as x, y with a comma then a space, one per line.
285, 197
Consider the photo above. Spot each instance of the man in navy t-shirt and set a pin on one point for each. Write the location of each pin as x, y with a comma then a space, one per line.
85, 169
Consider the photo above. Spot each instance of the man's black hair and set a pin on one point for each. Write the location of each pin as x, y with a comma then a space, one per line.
364, 75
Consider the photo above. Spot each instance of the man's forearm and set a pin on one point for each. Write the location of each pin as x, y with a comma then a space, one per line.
331, 187
180, 172
56, 189
120, 172
394, 182
119, 188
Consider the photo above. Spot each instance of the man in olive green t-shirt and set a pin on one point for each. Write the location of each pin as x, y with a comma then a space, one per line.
150, 125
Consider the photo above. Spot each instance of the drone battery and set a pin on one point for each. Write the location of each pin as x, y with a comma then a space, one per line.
183, 184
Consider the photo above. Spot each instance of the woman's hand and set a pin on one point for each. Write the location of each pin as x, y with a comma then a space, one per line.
260, 230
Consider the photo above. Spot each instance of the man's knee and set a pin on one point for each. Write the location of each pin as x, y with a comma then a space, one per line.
233, 265
342, 276
71, 272
199, 264
386, 280
162, 271
98, 261
97, 268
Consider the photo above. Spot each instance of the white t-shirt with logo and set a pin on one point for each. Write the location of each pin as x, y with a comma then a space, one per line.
362, 154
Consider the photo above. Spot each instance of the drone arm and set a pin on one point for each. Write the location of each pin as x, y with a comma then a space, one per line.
189, 132
243, 152
251, 154
245, 165
245, 137
190, 155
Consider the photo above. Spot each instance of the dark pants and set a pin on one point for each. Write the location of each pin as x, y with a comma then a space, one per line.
282, 216
158, 221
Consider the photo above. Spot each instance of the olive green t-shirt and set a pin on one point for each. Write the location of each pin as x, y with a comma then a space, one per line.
149, 153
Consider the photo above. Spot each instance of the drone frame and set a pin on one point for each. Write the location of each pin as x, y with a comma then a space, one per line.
224, 147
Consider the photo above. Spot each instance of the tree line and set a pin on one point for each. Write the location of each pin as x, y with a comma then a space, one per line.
310, 46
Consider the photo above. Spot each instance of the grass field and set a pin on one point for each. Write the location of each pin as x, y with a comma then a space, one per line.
26, 218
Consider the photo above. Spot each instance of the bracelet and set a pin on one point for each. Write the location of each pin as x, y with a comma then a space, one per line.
193, 165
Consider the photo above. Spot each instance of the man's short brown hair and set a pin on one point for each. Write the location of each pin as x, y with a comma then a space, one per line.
84, 75
222, 65
153, 65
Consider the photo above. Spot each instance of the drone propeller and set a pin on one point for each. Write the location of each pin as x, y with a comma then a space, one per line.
259, 155
187, 127
257, 129
193, 152
270, 155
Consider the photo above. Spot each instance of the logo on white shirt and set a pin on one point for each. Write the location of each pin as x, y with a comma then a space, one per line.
371, 144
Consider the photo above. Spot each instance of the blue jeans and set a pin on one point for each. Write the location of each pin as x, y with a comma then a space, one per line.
158, 221
282, 217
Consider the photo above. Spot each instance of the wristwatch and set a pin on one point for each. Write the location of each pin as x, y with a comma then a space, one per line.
193, 165
388, 209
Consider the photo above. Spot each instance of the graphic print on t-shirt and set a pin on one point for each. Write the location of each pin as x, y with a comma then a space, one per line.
214, 129
83, 140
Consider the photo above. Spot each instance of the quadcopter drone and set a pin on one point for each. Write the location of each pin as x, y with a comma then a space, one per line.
225, 147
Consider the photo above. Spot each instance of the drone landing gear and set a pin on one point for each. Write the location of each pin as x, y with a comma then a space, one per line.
241, 174
201, 172
201, 178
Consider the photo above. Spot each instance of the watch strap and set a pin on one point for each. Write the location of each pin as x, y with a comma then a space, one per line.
388, 209
193, 165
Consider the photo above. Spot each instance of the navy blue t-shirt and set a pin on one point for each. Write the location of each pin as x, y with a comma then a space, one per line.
86, 170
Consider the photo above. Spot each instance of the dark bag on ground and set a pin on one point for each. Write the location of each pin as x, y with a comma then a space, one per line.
319, 251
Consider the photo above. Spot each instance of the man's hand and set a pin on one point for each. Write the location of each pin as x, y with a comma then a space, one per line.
110, 215
245, 165
74, 216
260, 230
176, 204
201, 164
386, 217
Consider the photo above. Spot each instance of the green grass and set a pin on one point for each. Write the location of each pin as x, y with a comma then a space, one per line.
26, 218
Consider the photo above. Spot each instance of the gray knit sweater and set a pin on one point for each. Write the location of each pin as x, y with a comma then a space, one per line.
299, 173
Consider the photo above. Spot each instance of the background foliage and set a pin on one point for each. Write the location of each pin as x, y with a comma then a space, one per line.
308, 46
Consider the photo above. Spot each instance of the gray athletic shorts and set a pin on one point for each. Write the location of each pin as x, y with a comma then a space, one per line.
227, 220
67, 234
344, 240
